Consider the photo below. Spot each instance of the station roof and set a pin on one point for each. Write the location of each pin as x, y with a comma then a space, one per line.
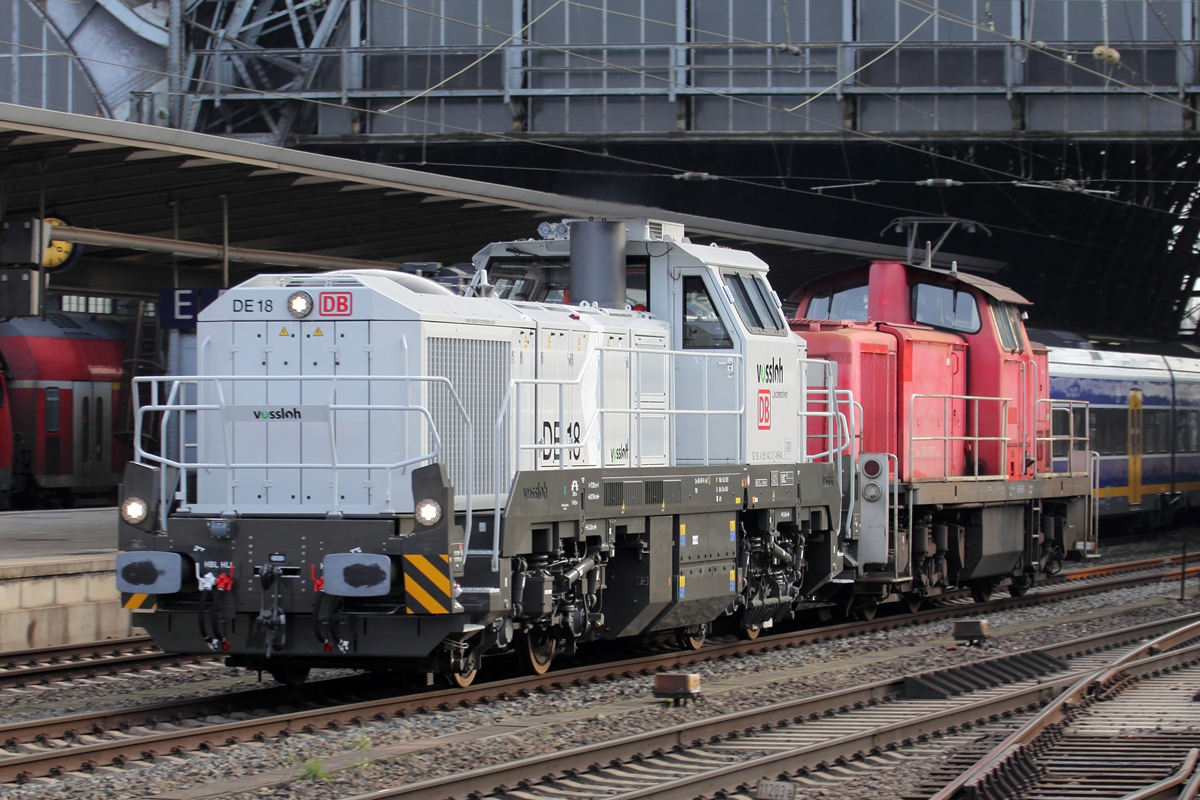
153, 181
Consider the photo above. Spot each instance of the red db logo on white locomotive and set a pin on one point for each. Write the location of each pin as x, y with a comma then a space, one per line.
336, 304
764, 409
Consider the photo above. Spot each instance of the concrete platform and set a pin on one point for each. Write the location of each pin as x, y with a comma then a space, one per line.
66, 532
57, 578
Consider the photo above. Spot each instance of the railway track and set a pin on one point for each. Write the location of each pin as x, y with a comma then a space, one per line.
1127, 730
732, 754
86, 741
113, 657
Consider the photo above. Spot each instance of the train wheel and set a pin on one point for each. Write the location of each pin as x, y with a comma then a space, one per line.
691, 637
536, 649
290, 676
458, 680
913, 601
981, 590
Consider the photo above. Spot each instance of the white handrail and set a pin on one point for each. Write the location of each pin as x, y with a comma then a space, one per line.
172, 406
594, 355
946, 437
1070, 439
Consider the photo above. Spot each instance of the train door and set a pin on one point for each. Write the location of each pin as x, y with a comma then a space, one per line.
709, 380
1135, 447
92, 449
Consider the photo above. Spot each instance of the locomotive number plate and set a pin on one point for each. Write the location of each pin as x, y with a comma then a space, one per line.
775, 790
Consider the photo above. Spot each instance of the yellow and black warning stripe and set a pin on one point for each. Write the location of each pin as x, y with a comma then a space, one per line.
427, 584
136, 601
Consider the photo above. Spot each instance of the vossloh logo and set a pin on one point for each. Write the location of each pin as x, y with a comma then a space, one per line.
279, 413
259, 415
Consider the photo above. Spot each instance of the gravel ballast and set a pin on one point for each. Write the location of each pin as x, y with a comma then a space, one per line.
351, 761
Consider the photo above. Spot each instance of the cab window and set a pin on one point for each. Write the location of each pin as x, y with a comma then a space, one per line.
844, 303
754, 303
637, 287
943, 307
1008, 324
702, 325
546, 282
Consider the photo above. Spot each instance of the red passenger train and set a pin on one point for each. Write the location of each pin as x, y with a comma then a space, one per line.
60, 394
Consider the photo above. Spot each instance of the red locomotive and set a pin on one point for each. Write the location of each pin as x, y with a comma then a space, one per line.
969, 475
60, 406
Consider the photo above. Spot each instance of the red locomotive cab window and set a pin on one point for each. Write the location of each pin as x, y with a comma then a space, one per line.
1008, 324
943, 307
839, 303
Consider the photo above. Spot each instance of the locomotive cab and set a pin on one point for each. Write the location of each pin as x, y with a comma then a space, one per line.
984, 482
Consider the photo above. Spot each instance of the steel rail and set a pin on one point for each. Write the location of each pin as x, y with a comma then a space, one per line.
1011, 760
1085, 573
44, 665
90, 756
10, 659
502, 777
128, 663
45, 654
1169, 789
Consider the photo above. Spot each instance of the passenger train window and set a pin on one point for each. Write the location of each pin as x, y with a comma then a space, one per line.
702, 326
942, 307
1156, 431
85, 430
1110, 431
99, 429
52, 410
754, 303
1187, 431
833, 303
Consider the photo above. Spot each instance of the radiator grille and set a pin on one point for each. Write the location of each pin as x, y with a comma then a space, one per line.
478, 370
613, 494
654, 493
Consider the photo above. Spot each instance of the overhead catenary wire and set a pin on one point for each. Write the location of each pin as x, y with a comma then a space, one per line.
635, 70
923, 5
626, 159
732, 97
591, 153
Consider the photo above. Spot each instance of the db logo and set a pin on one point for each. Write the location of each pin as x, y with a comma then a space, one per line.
764, 409
336, 304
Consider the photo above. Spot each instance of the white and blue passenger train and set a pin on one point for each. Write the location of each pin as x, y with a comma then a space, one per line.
1144, 421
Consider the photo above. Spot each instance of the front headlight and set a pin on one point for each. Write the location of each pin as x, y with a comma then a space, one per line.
134, 510
300, 304
429, 512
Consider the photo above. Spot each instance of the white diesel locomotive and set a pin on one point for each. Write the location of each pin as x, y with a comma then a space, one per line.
612, 432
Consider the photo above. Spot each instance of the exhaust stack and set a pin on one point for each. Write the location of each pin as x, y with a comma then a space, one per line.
598, 263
